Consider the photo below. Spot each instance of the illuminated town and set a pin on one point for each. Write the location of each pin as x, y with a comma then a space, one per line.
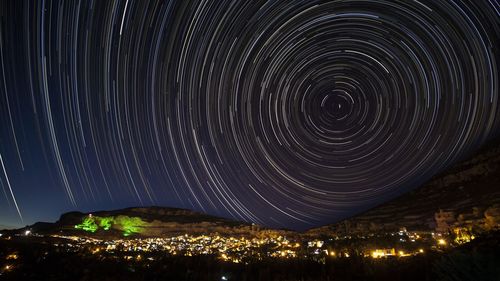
242, 249
118, 238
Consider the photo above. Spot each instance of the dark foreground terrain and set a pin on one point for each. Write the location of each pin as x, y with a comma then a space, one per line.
29, 260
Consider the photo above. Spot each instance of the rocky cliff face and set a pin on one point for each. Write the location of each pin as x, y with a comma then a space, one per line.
148, 222
469, 192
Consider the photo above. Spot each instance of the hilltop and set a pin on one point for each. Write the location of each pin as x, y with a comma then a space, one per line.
467, 193
143, 222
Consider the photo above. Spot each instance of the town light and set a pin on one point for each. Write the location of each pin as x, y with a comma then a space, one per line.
377, 254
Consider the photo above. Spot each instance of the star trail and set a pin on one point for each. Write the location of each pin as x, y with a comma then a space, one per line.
283, 113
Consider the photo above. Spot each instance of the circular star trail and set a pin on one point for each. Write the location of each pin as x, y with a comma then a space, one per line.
284, 113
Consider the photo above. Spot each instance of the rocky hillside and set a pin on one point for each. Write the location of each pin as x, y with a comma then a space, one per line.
468, 192
146, 222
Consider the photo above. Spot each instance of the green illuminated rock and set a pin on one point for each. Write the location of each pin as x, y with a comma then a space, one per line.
106, 222
88, 224
130, 225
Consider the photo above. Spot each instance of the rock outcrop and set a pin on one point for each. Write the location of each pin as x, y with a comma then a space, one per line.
468, 193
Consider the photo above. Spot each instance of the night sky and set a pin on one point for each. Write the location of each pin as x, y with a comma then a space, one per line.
284, 113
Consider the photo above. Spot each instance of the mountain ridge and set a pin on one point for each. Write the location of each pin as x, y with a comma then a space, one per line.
469, 184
